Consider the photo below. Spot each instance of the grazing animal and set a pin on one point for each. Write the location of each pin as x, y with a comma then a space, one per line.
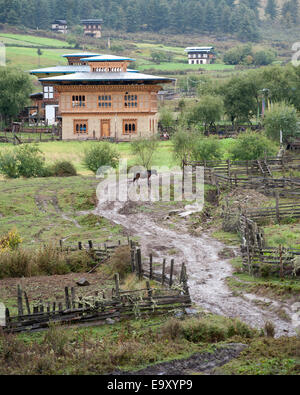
147, 174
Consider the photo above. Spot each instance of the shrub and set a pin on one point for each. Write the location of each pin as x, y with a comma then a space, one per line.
101, 154
10, 241
24, 161
9, 165
206, 148
252, 146
120, 261
172, 329
48, 260
30, 161
269, 329
197, 331
64, 169
238, 328
281, 116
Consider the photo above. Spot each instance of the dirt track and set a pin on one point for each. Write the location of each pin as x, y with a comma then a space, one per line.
206, 270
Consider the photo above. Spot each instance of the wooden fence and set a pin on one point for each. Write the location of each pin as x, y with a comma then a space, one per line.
258, 259
172, 294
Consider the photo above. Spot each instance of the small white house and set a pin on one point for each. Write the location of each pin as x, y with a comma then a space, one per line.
200, 55
60, 26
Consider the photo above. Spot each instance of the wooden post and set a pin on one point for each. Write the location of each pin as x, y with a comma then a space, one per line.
20, 301
163, 272
80, 245
151, 267
277, 207
132, 261
60, 306
171, 273
61, 245
140, 265
90, 244
73, 297
117, 283
67, 298
281, 261
182, 273
149, 290
27, 303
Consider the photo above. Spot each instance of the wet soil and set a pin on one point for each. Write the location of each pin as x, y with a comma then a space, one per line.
200, 362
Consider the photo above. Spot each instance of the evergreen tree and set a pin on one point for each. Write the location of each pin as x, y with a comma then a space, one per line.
271, 9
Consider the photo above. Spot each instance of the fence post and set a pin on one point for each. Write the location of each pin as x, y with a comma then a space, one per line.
149, 290
151, 267
73, 297
27, 303
117, 283
132, 260
140, 265
163, 272
67, 298
20, 301
80, 245
281, 261
277, 206
171, 273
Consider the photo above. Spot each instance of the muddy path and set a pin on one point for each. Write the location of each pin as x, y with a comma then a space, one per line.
207, 272
200, 362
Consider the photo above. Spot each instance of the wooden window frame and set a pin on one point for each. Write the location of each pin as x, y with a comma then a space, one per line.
48, 92
128, 103
105, 103
78, 101
79, 122
129, 130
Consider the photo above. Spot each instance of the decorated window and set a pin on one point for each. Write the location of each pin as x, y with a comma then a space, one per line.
130, 126
104, 101
131, 101
78, 101
80, 127
48, 92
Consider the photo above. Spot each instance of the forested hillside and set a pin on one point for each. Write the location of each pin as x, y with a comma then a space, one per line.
174, 16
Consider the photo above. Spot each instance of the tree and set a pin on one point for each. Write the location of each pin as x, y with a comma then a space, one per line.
240, 97
15, 88
271, 9
281, 117
206, 149
251, 146
182, 145
263, 58
102, 154
144, 150
208, 111
166, 119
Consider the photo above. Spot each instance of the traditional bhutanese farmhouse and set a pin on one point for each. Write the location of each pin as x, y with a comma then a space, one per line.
102, 98
200, 55
92, 27
60, 26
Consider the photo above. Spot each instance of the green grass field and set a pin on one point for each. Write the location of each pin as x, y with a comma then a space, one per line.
28, 40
